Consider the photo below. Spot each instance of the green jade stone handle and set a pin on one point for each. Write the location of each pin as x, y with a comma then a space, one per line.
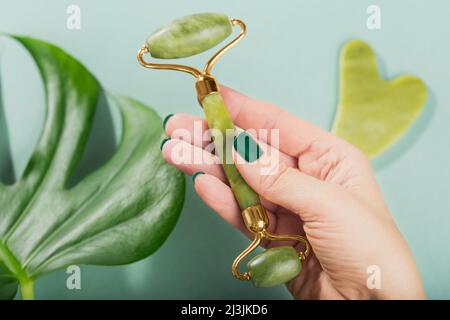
223, 133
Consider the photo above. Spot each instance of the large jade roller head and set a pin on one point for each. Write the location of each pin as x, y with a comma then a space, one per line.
191, 35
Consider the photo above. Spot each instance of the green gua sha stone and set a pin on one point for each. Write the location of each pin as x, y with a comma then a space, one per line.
189, 35
373, 113
274, 266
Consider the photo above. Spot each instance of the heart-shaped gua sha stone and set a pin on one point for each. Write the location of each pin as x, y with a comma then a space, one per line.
373, 113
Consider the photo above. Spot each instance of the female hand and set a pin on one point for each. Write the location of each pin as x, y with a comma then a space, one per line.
318, 185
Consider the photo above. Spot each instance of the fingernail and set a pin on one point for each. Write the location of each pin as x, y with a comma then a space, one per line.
166, 119
247, 147
196, 174
163, 142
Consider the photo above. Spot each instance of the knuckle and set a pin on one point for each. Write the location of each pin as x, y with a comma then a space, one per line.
272, 182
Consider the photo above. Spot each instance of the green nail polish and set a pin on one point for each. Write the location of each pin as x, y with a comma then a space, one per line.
163, 142
166, 119
247, 147
196, 174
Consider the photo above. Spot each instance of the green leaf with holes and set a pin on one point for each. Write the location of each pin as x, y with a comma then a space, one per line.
120, 213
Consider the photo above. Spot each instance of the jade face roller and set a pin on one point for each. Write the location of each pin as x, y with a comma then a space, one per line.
186, 37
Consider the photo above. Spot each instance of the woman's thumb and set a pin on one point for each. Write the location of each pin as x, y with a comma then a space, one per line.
275, 181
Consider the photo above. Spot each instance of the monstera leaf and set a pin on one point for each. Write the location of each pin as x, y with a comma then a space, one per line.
118, 214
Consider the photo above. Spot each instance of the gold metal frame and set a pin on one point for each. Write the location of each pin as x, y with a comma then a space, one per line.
257, 222
255, 217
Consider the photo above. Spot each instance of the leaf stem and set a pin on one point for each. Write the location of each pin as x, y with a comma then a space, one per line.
27, 288
14, 266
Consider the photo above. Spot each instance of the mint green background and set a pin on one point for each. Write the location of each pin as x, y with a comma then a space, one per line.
290, 58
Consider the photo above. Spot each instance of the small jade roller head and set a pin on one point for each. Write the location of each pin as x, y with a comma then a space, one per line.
191, 35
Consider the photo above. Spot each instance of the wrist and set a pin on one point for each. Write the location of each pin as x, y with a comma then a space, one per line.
405, 286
